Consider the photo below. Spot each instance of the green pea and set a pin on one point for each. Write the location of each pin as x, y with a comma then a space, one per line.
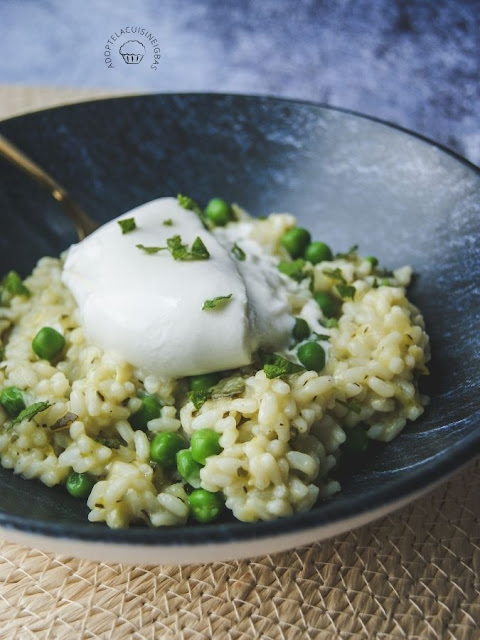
301, 330
48, 343
203, 382
219, 212
373, 261
150, 409
164, 448
329, 305
318, 252
11, 399
13, 284
204, 443
357, 440
79, 485
188, 468
295, 241
312, 356
205, 506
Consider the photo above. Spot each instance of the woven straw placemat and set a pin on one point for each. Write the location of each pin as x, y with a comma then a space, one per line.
413, 574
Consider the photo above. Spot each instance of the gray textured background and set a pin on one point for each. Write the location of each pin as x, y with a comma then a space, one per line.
413, 63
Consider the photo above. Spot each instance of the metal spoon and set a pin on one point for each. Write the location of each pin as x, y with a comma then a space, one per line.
84, 225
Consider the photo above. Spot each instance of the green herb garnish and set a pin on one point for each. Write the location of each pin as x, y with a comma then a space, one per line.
351, 253
199, 397
293, 269
321, 336
275, 365
199, 251
190, 205
335, 274
179, 250
351, 405
127, 225
30, 412
111, 443
346, 291
64, 422
238, 252
228, 388
219, 301
150, 250
168, 222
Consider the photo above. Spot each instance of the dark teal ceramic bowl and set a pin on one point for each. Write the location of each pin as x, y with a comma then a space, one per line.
349, 178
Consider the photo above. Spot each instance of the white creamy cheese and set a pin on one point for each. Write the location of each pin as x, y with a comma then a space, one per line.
148, 307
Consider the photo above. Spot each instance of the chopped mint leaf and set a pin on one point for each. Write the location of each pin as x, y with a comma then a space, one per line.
346, 291
228, 388
351, 405
190, 205
238, 252
111, 443
168, 222
293, 269
64, 422
30, 412
179, 250
199, 251
321, 336
127, 225
219, 301
351, 253
335, 274
275, 365
150, 250
199, 397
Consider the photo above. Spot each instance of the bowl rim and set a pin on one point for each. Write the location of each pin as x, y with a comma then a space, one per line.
428, 473
247, 96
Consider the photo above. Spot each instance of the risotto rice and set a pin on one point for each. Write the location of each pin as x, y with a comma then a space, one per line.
280, 437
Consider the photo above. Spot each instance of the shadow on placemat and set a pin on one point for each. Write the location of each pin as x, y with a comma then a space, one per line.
414, 574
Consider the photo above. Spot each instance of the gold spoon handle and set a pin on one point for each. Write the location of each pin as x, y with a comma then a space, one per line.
84, 225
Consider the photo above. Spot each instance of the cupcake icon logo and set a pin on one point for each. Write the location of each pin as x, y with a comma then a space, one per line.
131, 45
132, 51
